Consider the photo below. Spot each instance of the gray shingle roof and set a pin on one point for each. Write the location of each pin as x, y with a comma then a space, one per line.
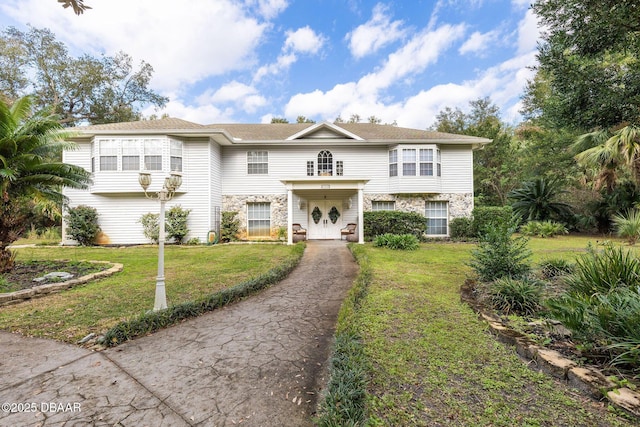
279, 131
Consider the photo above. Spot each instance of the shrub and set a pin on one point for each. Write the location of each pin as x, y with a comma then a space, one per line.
82, 224
628, 225
552, 268
499, 255
176, 223
543, 229
403, 242
393, 222
518, 296
602, 304
461, 228
485, 216
229, 226
539, 200
150, 226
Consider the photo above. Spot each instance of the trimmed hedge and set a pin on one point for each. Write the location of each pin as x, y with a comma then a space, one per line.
344, 401
154, 320
393, 222
484, 216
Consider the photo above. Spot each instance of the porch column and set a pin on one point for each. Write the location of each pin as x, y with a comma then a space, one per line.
360, 215
289, 216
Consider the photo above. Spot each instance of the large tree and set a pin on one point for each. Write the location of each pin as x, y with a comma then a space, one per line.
589, 70
80, 90
29, 145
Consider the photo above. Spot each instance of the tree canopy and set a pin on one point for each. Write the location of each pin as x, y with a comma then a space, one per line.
78, 6
85, 89
589, 71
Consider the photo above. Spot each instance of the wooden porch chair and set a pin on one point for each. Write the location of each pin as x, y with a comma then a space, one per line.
348, 230
299, 233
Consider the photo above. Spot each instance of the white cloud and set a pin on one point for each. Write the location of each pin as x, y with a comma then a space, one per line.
240, 95
528, 32
522, 3
379, 31
184, 43
478, 43
202, 114
301, 41
362, 97
268, 8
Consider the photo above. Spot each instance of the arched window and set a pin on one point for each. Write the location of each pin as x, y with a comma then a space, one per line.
325, 163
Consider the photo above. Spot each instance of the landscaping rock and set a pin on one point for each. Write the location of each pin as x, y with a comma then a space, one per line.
56, 275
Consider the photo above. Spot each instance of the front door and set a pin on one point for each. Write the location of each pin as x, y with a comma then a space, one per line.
325, 219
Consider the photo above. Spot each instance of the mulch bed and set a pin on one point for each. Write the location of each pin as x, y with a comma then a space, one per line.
23, 273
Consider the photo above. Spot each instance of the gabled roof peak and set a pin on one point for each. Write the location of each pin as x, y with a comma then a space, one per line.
324, 130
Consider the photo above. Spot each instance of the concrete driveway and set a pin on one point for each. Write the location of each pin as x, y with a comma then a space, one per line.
259, 362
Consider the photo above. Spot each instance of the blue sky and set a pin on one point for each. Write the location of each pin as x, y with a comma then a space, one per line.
223, 61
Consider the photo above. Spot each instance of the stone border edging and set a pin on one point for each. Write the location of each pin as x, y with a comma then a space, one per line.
42, 290
586, 379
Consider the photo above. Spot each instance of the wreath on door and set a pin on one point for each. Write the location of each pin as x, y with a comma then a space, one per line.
334, 214
316, 215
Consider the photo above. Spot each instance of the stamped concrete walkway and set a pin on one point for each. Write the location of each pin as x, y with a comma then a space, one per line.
259, 362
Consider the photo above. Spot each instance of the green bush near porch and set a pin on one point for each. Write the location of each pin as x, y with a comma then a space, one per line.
377, 223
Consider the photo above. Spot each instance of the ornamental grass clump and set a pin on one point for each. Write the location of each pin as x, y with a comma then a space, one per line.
516, 296
402, 242
628, 225
602, 305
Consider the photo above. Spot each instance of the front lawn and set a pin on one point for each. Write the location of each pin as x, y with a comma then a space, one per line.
431, 362
191, 273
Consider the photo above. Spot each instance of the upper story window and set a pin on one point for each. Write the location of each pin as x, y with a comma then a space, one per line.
409, 162
310, 167
339, 167
134, 154
415, 161
257, 162
176, 155
325, 163
393, 163
108, 155
130, 155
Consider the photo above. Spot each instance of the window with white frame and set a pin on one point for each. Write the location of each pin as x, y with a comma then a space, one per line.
339, 168
310, 167
383, 205
437, 218
93, 157
258, 219
438, 163
257, 162
325, 163
108, 155
426, 162
393, 162
153, 154
130, 155
175, 148
408, 162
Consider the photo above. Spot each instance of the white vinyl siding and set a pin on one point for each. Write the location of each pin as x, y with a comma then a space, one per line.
437, 218
258, 219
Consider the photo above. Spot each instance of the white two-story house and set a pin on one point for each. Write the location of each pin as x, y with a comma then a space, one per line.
319, 175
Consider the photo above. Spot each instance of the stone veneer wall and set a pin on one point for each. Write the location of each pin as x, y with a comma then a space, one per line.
239, 204
460, 205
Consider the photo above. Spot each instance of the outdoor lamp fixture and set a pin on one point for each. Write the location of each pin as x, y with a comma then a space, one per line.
171, 185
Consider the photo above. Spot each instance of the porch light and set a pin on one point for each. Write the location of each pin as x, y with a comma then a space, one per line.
171, 185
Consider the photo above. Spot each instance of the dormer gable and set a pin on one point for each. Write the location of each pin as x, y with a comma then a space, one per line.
324, 130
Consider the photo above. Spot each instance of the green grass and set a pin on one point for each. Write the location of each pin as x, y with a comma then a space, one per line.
191, 272
432, 362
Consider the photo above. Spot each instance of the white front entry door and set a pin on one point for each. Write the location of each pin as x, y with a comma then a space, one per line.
324, 228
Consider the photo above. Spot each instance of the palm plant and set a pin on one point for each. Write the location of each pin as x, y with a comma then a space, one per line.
628, 225
30, 145
537, 200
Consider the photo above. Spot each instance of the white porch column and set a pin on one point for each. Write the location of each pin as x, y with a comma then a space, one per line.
360, 215
289, 216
